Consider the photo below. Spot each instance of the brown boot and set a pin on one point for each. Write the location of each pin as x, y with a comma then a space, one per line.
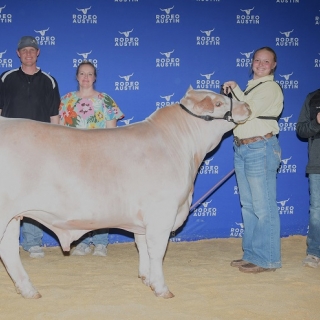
252, 268
238, 263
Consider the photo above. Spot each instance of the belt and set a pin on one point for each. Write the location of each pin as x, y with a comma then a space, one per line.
239, 142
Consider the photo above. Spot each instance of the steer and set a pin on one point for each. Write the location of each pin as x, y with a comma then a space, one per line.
73, 180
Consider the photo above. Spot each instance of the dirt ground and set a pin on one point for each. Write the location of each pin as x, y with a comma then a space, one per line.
198, 273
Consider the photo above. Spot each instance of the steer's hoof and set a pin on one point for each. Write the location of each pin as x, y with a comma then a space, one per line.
166, 295
27, 290
33, 294
37, 295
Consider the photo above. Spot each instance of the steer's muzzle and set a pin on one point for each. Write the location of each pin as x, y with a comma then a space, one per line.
245, 113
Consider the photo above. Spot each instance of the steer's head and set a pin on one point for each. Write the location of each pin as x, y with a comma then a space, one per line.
209, 103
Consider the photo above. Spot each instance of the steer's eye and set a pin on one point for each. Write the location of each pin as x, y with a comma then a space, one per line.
218, 104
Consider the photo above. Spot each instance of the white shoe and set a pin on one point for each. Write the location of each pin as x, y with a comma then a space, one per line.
36, 252
81, 250
311, 261
100, 250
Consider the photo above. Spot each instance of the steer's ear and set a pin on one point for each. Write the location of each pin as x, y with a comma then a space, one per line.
188, 91
187, 96
204, 105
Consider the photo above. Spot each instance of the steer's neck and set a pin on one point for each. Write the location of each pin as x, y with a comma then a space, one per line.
189, 138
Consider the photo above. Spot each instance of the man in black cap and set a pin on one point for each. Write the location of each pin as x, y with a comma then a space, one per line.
28, 92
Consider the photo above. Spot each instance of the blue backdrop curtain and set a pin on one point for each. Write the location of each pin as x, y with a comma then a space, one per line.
148, 52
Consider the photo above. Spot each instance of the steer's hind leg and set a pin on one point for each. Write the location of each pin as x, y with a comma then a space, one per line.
9, 253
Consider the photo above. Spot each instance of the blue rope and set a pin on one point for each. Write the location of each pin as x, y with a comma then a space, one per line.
206, 195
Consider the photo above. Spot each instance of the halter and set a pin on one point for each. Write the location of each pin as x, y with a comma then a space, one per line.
227, 116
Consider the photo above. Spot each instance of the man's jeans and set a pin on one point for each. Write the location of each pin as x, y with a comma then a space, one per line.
95, 237
32, 234
313, 238
256, 166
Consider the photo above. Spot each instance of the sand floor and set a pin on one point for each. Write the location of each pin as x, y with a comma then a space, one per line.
198, 273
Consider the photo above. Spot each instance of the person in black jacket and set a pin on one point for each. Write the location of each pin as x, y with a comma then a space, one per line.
28, 92
308, 126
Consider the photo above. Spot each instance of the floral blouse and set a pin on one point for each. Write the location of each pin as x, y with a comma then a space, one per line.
88, 113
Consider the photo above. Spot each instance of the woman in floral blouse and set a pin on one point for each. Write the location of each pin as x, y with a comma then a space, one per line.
89, 109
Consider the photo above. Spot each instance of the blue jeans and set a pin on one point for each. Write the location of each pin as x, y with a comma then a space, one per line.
313, 238
32, 234
95, 237
256, 166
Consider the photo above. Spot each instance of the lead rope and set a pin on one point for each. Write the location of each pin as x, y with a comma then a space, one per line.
233, 93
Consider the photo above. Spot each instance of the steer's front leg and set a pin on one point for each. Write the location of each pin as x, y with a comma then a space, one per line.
144, 264
157, 243
9, 253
